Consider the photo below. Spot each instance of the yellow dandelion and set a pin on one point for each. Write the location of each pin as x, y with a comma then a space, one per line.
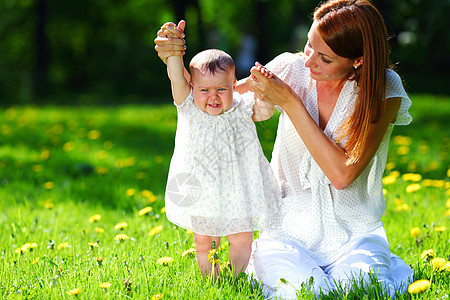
419, 286
224, 245
120, 226
99, 259
189, 232
48, 185
102, 154
145, 210
149, 196
390, 165
402, 207
99, 230
74, 292
390, 179
37, 168
189, 252
18, 251
130, 192
68, 146
414, 187
428, 254
157, 296
402, 150
163, 210
440, 229
95, 218
101, 170
415, 231
121, 237
447, 204
48, 203
155, 230
402, 140
447, 213
92, 245
62, 246
438, 263
94, 134
104, 285
427, 182
164, 261
384, 192
448, 172
424, 149
45, 154
412, 177
446, 266
35, 260
395, 174
213, 256
140, 175
108, 145
398, 201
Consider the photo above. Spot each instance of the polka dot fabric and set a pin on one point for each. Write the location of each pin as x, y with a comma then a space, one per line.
219, 180
313, 213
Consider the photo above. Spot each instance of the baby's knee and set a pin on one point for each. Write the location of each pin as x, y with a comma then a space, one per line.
203, 242
241, 240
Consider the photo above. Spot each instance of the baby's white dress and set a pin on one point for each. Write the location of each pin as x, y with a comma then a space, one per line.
219, 180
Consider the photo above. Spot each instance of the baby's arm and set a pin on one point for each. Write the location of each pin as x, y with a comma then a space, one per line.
262, 110
175, 71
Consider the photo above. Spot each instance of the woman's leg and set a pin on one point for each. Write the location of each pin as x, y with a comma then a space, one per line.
283, 266
240, 249
369, 254
203, 246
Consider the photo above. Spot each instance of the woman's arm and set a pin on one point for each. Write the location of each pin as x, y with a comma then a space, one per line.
329, 156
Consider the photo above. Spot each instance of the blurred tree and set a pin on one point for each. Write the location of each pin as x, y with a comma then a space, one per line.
105, 47
41, 68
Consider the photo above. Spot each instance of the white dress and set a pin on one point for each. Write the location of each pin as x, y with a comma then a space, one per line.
219, 180
314, 216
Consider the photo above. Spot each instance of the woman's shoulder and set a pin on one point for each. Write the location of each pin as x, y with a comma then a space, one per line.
394, 85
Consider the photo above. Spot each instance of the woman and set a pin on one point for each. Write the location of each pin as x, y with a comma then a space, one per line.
339, 102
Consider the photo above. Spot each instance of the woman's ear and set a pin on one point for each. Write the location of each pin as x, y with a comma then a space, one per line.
358, 62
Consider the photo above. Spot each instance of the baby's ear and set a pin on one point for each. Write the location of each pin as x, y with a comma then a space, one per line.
234, 84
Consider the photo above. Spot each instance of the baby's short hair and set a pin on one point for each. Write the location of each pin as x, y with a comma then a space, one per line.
212, 61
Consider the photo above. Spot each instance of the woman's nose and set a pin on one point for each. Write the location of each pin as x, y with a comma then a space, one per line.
310, 61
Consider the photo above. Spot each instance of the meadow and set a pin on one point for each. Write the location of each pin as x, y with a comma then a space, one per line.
82, 205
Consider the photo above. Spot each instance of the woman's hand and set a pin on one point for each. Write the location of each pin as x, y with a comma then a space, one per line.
268, 87
170, 40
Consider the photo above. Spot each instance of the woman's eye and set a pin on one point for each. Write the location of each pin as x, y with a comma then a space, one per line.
203, 90
326, 61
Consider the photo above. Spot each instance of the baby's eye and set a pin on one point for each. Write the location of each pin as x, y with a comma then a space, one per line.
221, 89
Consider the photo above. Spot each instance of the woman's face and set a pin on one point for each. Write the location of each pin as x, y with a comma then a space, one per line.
213, 93
323, 63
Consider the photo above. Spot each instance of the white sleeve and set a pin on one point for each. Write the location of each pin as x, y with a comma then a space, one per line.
395, 89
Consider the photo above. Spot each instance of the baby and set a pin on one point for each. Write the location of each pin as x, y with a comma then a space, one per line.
219, 182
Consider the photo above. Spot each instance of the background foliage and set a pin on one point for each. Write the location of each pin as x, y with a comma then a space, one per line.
102, 50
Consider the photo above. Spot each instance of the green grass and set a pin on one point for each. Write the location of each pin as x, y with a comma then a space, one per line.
61, 165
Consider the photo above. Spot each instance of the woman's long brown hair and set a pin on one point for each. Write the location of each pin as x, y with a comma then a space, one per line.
355, 28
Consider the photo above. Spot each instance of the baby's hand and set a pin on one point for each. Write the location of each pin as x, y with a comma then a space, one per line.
261, 69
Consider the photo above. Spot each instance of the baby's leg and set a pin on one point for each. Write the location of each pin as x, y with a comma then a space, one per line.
240, 249
203, 246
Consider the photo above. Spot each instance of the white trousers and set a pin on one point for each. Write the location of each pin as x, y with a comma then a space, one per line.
273, 260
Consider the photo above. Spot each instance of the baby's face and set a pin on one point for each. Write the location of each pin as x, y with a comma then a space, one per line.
213, 93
